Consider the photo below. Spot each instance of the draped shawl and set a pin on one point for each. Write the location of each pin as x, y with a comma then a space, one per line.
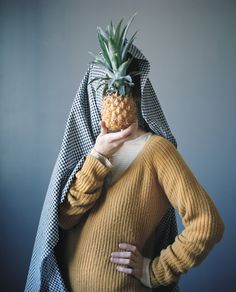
82, 128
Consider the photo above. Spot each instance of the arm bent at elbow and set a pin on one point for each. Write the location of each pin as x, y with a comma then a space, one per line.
83, 192
203, 224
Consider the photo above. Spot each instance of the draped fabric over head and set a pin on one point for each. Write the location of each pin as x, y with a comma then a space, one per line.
79, 137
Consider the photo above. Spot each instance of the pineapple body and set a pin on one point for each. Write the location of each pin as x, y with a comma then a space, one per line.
118, 111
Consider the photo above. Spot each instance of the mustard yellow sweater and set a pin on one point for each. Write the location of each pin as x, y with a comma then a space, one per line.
95, 222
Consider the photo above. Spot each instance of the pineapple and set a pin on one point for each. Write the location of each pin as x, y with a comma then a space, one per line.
119, 107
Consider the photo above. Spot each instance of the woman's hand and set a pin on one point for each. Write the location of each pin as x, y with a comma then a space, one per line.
108, 143
137, 265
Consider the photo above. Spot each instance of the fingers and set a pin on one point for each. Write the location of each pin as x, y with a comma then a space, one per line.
132, 258
129, 247
124, 254
104, 129
125, 270
107, 143
130, 262
124, 258
120, 136
130, 271
123, 134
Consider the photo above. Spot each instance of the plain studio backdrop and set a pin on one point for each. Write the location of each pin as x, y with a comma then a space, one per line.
44, 48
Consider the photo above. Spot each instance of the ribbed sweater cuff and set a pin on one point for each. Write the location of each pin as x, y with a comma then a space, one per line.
158, 275
95, 168
153, 278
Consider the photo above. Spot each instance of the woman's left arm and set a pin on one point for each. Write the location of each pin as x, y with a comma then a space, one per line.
203, 224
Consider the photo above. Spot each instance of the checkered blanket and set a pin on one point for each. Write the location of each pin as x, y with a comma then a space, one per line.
80, 134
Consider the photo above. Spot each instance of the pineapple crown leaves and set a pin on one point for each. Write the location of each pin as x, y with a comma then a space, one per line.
114, 57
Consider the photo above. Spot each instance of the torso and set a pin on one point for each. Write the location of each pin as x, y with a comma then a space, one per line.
129, 211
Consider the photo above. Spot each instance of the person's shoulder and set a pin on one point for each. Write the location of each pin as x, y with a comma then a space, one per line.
159, 142
165, 153
159, 148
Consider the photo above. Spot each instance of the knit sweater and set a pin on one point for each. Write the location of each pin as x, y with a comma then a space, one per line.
95, 222
120, 161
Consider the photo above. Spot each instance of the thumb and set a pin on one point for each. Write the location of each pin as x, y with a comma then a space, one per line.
104, 129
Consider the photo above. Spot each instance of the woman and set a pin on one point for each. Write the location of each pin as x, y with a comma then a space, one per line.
129, 199
107, 232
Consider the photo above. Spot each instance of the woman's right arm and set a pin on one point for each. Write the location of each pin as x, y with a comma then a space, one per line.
87, 186
83, 192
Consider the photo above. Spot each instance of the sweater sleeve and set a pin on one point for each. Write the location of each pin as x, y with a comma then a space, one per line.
83, 192
203, 224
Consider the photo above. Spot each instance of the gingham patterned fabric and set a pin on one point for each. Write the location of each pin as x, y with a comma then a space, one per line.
80, 134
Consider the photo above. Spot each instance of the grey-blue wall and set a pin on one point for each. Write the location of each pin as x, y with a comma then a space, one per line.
44, 47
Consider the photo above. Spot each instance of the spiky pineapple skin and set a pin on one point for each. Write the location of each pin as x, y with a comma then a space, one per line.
118, 111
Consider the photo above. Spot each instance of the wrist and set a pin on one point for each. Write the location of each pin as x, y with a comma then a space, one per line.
104, 159
145, 279
101, 154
